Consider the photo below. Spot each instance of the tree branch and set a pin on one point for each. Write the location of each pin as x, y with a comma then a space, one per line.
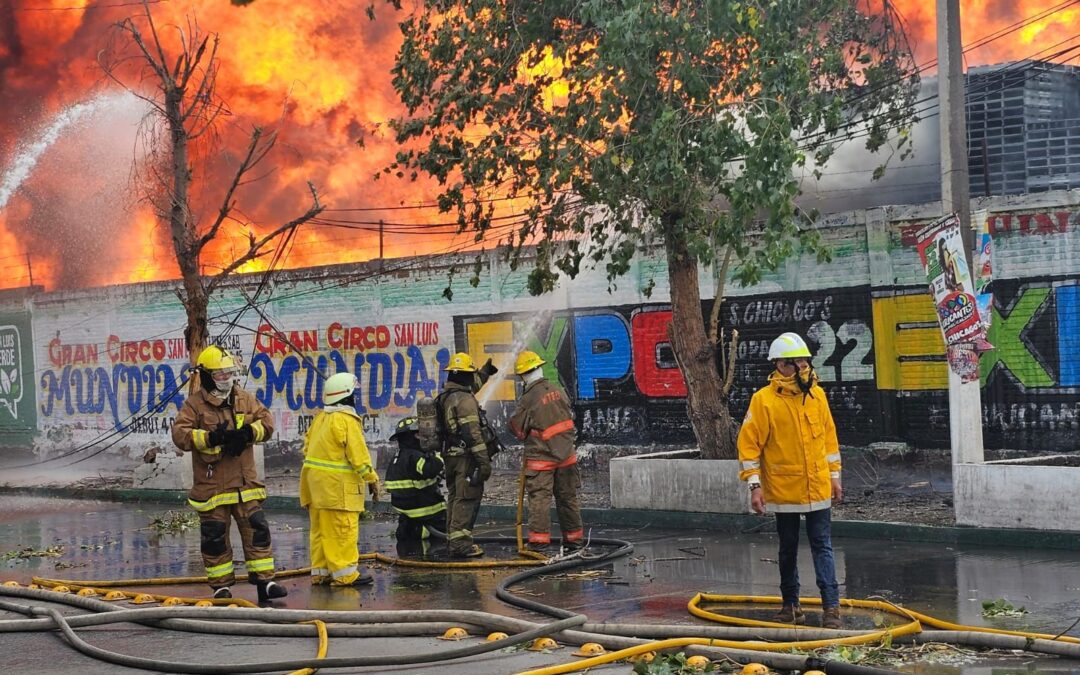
718, 298
729, 363
227, 204
256, 245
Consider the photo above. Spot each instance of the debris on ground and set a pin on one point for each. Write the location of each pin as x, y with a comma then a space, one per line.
28, 552
174, 522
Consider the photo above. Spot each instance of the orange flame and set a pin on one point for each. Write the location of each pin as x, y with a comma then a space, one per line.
318, 72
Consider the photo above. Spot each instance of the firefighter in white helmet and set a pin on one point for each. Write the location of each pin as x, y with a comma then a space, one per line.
337, 465
218, 424
790, 458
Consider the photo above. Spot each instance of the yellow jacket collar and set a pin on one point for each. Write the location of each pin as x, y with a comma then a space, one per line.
787, 385
334, 407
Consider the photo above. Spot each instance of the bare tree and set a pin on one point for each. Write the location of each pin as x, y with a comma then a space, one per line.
185, 111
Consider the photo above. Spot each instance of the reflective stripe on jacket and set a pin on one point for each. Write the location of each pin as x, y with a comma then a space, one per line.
336, 462
461, 420
788, 439
412, 479
544, 420
218, 477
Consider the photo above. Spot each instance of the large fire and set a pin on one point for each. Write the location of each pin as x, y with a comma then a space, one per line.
316, 71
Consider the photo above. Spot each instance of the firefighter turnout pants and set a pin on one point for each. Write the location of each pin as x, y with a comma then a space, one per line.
462, 502
334, 537
561, 483
216, 548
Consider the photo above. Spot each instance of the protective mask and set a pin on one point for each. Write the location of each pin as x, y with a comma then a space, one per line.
223, 382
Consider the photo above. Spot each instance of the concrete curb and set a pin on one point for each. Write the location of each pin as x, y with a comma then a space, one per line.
716, 522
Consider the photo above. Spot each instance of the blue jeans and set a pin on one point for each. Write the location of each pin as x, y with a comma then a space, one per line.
818, 529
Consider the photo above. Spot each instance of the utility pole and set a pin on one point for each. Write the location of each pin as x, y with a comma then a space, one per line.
30, 270
965, 400
380, 243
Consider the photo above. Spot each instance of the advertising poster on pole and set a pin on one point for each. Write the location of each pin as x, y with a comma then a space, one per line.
941, 249
984, 269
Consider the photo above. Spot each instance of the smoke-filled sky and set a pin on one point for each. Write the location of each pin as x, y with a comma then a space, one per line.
316, 71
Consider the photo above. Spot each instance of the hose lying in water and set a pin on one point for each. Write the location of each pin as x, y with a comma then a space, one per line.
57, 619
283, 623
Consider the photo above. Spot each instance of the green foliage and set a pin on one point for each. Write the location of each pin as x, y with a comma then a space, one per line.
1001, 607
174, 522
638, 124
669, 664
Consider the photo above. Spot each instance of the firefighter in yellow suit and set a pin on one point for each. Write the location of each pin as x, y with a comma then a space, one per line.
337, 465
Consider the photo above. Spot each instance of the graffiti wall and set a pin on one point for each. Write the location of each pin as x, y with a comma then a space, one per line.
77, 366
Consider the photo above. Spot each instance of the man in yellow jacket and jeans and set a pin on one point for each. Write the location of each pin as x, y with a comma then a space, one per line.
336, 467
790, 458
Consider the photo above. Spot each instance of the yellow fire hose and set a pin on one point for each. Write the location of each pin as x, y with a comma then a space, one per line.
696, 610
914, 625
539, 558
324, 643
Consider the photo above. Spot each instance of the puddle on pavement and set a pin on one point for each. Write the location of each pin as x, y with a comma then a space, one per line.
103, 540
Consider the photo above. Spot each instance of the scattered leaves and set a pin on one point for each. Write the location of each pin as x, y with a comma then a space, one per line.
174, 522
30, 552
1001, 607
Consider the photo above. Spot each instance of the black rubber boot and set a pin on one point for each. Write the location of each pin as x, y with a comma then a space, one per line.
270, 590
362, 580
222, 593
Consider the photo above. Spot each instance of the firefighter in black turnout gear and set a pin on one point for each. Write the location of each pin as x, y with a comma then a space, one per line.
467, 442
412, 478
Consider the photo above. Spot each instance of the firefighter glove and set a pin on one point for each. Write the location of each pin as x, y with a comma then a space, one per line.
237, 440
488, 369
217, 436
484, 463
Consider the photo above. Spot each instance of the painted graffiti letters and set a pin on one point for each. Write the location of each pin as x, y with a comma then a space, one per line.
61, 354
386, 379
419, 334
360, 338
11, 386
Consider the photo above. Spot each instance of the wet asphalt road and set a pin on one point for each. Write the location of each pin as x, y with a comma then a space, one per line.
104, 540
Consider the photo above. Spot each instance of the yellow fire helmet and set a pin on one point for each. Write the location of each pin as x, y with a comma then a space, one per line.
215, 358
754, 669
527, 361
461, 361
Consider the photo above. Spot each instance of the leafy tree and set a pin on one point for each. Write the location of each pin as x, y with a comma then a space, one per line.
177, 77
640, 126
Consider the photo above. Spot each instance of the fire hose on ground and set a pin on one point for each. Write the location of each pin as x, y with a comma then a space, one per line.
741, 639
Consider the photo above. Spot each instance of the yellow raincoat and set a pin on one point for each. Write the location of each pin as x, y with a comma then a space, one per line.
788, 439
336, 467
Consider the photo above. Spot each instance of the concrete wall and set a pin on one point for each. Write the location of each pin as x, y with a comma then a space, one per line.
90, 361
1038, 497
679, 483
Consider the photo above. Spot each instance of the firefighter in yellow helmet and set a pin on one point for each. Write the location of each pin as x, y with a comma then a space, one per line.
337, 465
218, 424
790, 458
466, 460
544, 420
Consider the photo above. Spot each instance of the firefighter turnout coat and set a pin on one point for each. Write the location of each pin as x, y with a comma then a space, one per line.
788, 439
221, 479
336, 462
544, 420
413, 482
